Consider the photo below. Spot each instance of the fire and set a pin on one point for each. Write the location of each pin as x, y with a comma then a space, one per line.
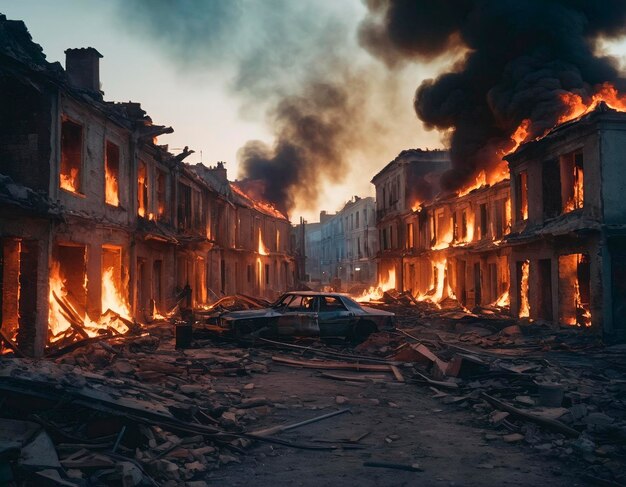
376, 292
504, 300
524, 309
577, 107
575, 201
479, 182
59, 322
111, 188
262, 248
507, 212
69, 181
583, 315
470, 217
445, 240
112, 298
416, 206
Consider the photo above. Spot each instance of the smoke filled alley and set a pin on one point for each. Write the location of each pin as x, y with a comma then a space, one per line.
386, 244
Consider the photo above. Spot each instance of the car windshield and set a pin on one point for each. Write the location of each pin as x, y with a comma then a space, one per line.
294, 302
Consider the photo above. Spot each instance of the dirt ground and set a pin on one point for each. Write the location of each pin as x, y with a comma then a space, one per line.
403, 424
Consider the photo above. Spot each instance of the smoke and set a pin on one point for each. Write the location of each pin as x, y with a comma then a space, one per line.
299, 62
520, 57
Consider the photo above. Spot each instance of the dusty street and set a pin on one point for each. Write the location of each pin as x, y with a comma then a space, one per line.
135, 410
403, 424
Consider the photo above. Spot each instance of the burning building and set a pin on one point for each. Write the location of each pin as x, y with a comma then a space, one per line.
548, 241
100, 225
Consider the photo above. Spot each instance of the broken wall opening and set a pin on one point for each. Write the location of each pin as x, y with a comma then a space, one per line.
544, 290
112, 174
68, 290
574, 289
551, 188
70, 176
521, 188
18, 292
572, 181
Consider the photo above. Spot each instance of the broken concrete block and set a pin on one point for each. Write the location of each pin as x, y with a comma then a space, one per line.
464, 366
39, 453
513, 438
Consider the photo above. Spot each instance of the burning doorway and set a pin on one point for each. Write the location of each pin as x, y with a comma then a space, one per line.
574, 290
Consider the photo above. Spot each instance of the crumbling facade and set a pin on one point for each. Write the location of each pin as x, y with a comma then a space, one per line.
549, 241
97, 220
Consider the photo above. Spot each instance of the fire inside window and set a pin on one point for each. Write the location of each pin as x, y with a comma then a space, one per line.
71, 156
161, 182
572, 181
410, 236
112, 174
522, 196
142, 189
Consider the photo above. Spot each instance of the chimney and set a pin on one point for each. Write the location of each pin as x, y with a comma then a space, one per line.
219, 171
83, 68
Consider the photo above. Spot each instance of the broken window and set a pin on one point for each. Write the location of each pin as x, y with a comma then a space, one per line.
464, 225
184, 207
572, 183
71, 156
574, 290
521, 188
356, 223
68, 285
142, 189
455, 227
500, 217
483, 221
409, 236
112, 174
551, 187
113, 283
160, 187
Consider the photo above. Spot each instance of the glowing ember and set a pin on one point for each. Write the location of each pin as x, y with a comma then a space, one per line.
524, 309
70, 181
504, 300
262, 248
111, 188
376, 292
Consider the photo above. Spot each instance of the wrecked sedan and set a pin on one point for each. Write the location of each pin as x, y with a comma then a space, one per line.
308, 313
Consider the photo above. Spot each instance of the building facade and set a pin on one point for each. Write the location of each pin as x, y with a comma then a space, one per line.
549, 242
97, 218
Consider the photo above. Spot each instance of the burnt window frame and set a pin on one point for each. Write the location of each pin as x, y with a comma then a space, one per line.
69, 120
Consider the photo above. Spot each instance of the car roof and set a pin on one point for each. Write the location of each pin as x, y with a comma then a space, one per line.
316, 293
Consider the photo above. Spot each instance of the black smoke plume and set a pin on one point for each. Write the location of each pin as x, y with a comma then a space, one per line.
520, 57
296, 61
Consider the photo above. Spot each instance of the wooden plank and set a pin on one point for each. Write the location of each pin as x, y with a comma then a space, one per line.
397, 374
552, 424
332, 365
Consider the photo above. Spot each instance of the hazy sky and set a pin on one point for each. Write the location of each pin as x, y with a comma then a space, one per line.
197, 98
217, 97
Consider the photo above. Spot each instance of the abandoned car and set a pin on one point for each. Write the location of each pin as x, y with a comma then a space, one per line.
310, 314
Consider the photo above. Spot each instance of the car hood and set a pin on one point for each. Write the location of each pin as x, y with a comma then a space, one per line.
375, 311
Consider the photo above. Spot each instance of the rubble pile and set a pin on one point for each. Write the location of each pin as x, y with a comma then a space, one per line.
129, 412
528, 383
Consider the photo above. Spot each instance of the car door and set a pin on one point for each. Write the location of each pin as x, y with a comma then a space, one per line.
299, 318
334, 318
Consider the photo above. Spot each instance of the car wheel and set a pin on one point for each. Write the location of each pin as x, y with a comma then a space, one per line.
362, 331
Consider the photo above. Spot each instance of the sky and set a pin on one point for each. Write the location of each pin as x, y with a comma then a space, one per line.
217, 70
197, 95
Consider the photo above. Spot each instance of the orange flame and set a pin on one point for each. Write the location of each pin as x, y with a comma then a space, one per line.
376, 292
524, 309
58, 324
111, 188
262, 248
70, 181
504, 300
575, 201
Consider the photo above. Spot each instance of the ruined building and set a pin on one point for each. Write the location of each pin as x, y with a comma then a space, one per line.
549, 241
99, 224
